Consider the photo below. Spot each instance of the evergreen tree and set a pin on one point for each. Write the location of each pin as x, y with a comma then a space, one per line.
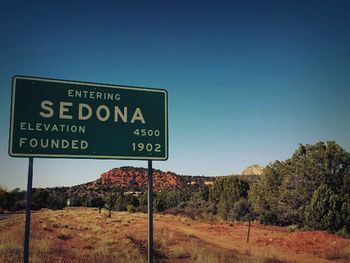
242, 210
225, 192
40, 197
286, 187
324, 210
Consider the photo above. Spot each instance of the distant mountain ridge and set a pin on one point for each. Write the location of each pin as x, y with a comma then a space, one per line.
134, 179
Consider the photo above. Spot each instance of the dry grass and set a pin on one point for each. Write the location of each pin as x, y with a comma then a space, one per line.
179, 252
334, 254
11, 242
66, 236
84, 235
11, 246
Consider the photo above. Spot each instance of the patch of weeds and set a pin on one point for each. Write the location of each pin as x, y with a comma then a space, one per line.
274, 260
108, 242
96, 229
88, 247
42, 246
179, 252
166, 237
343, 233
337, 253
191, 234
141, 246
88, 238
292, 228
59, 225
47, 228
63, 235
183, 220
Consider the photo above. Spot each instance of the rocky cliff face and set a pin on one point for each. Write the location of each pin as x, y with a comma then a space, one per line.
130, 177
252, 173
254, 169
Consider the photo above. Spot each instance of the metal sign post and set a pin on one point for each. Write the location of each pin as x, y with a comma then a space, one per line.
28, 206
150, 213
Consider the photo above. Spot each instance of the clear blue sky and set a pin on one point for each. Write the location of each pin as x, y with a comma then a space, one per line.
247, 80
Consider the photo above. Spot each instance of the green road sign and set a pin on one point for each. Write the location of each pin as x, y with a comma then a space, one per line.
70, 119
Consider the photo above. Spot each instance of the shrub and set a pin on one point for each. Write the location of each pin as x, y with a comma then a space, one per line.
268, 218
39, 197
56, 200
131, 209
292, 228
343, 233
242, 210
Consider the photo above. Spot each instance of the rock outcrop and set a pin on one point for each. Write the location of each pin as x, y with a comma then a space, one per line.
136, 178
252, 173
254, 169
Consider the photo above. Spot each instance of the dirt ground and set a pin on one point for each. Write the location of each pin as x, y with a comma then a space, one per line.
177, 238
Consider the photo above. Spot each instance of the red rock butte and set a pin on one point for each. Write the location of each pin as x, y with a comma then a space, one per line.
126, 177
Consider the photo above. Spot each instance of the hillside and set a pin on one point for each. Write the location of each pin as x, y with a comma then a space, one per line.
134, 179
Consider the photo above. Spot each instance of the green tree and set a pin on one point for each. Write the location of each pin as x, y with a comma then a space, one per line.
100, 204
169, 199
39, 197
143, 199
345, 213
123, 200
76, 200
243, 210
324, 210
56, 200
3, 197
159, 203
119, 202
225, 192
286, 188
264, 196
173, 197
199, 197
309, 167
14, 200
